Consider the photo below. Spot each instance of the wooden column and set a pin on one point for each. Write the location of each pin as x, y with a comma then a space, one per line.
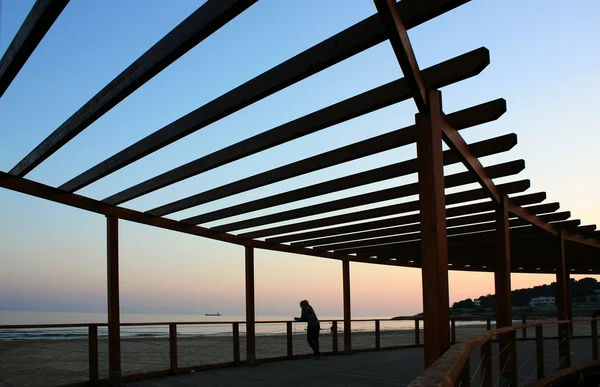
434, 248
562, 295
347, 307
503, 292
114, 316
250, 314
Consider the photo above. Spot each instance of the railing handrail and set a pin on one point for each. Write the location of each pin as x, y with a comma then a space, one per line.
166, 323
446, 371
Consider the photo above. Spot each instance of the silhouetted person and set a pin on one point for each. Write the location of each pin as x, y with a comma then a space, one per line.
313, 327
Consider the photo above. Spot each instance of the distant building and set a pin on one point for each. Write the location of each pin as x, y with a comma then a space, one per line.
478, 302
543, 302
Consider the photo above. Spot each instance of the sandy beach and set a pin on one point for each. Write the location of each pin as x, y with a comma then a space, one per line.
45, 363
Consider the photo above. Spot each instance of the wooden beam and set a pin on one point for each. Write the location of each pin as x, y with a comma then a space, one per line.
250, 312
459, 197
398, 37
56, 195
524, 214
339, 47
411, 232
114, 314
207, 19
389, 222
42, 16
479, 114
454, 180
483, 148
347, 307
434, 250
356, 106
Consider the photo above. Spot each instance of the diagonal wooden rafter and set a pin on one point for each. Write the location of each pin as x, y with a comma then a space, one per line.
339, 47
42, 16
211, 16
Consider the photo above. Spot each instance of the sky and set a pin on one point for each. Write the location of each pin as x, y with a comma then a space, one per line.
543, 62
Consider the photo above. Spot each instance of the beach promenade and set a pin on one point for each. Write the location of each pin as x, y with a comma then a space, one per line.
385, 368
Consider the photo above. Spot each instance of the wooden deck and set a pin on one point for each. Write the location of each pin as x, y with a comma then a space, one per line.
385, 368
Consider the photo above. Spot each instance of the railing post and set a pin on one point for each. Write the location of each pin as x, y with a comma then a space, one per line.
173, 347
236, 343
453, 330
486, 364
488, 323
377, 335
417, 332
334, 336
514, 374
464, 380
524, 321
290, 341
539, 350
595, 339
564, 345
250, 310
93, 353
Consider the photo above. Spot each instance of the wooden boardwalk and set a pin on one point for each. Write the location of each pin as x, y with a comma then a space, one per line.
385, 368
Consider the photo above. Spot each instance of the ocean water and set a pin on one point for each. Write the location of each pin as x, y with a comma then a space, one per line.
212, 325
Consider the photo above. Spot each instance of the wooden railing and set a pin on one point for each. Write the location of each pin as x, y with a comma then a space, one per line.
175, 366
454, 367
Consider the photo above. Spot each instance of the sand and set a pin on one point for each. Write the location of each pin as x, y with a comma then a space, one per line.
56, 362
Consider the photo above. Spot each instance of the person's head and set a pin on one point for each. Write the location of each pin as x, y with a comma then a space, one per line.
304, 304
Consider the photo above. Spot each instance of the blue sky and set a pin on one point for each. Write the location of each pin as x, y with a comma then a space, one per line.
544, 59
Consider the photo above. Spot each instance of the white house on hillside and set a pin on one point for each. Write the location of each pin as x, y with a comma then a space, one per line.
543, 302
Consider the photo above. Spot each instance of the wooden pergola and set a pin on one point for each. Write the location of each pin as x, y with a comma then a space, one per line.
496, 228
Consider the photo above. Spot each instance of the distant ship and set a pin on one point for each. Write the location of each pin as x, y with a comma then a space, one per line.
212, 314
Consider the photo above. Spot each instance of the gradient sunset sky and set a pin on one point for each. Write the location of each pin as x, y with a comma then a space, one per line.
544, 62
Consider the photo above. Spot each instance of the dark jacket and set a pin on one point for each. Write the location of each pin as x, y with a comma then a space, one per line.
309, 315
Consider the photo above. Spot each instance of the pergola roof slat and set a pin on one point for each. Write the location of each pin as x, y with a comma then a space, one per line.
440, 75
38, 22
458, 179
478, 115
378, 224
198, 26
416, 227
459, 197
337, 48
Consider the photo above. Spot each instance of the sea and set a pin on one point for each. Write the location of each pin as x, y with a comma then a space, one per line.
211, 325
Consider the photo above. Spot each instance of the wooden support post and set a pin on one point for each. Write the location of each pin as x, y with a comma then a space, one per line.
486, 364
290, 340
595, 339
250, 314
114, 315
524, 321
513, 364
434, 248
417, 332
236, 342
539, 350
93, 354
464, 380
569, 298
334, 336
173, 347
347, 306
377, 335
488, 323
503, 290
564, 350
453, 330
